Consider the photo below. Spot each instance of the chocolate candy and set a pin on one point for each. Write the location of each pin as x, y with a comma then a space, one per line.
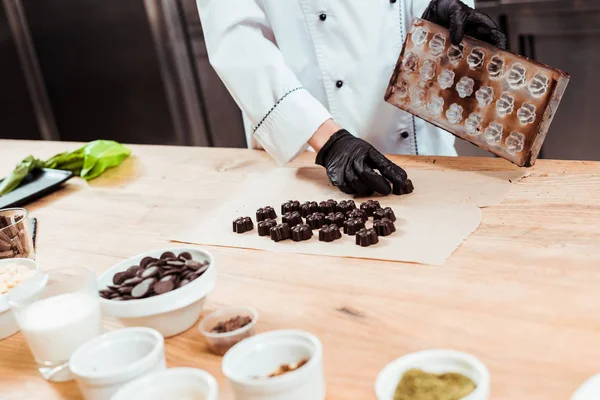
308, 208
329, 233
316, 220
267, 212
242, 224
328, 206
154, 276
337, 219
356, 213
366, 237
370, 206
264, 227
280, 232
301, 232
289, 206
405, 188
346, 206
353, 225
292, 218
384, 227
384, 213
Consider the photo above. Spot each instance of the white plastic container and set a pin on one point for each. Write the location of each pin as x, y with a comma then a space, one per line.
219, 343
104, 364
169, 313
174, 383
247, 365
437, 362
8, 325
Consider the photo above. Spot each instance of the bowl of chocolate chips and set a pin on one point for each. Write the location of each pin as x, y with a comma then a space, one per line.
163, 289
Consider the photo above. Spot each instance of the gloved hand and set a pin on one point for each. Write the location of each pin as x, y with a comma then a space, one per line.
461, 19
351, 162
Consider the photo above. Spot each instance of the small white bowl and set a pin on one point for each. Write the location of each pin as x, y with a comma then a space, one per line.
437, 362
589, 390
247, 365
219, 343
169, 313
174, 383
104, 364
8, 325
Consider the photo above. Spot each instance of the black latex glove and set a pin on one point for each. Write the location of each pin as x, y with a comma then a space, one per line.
462, 20
351, 163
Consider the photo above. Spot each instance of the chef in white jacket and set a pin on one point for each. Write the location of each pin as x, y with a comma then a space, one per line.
314, 72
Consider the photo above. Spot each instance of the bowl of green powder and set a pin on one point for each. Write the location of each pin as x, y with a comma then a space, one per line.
434, 375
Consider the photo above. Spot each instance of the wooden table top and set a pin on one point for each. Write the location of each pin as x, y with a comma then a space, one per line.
522, 293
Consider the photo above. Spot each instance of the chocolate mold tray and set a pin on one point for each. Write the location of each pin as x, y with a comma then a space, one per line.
497, 100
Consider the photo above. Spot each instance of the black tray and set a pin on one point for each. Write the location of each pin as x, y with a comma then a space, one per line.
37, 184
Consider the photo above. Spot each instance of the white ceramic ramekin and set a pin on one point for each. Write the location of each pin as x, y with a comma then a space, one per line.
248, 363
104, 364
174, 383
434, 361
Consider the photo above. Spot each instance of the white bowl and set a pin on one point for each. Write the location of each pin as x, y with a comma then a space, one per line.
170, 313
104, 364
437, 362
174, 383
220, 343
589, 390
8, 325
247, 365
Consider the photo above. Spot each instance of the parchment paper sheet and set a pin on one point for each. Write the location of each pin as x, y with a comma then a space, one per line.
432, 221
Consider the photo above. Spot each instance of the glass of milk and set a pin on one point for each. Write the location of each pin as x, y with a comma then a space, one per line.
57, 311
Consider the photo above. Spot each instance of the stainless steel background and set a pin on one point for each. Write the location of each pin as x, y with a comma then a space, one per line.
137, 71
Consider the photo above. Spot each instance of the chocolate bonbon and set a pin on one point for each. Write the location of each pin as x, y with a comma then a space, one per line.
267, 212
346, 206
370, 206
154, 276
301, 232
289, 206
292, 218
405, 188
328, 206
242, 225
337, 218
384, 213
280, 232
356, 213
316, 220
353, 225
264, 227
329, 233
384, 227
366, 237
308, 208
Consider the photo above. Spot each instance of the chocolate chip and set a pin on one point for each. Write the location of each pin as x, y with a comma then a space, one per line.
145, 261
167, 254
118, 298
124, 290
150, 272
127, 297
183, 282
105, 293
119, 278
143, 288
134, 270
193, 265
163, 287
167, 278
185, 255
113, 295
133, 281
176, 263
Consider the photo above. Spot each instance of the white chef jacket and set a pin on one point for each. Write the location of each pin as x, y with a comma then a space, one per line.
292, 64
